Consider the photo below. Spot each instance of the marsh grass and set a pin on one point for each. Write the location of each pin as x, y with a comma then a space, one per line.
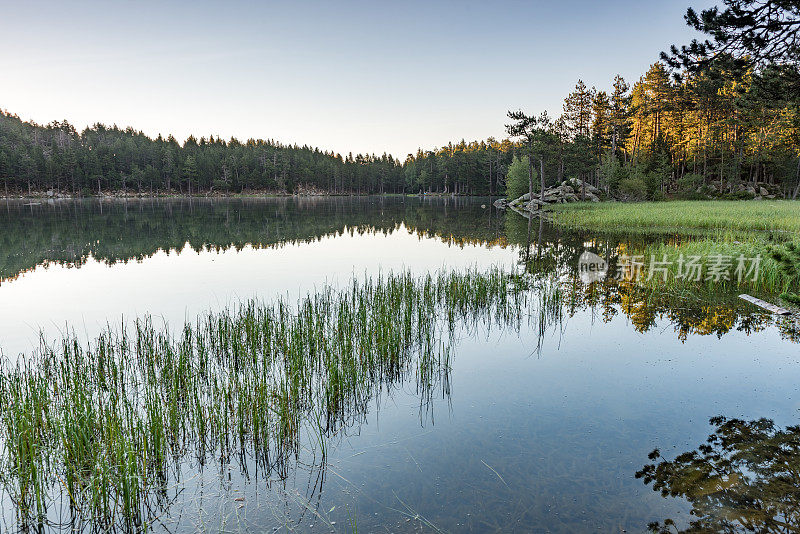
680, 216
714, 231
105, 426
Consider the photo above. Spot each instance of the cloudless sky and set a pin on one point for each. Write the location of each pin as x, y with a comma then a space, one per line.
344, 76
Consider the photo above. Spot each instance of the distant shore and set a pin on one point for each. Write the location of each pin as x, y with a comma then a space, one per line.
111, 195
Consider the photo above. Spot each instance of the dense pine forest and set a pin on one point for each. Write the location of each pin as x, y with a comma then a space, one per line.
714, 118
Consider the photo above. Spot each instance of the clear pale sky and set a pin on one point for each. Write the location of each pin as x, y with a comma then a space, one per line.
355, 76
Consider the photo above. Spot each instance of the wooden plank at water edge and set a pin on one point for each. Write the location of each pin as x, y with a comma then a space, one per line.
766, 305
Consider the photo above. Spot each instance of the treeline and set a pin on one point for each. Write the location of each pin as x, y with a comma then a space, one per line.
55, 156
708, 133
711, 133
717, 132
36, 158
715, 118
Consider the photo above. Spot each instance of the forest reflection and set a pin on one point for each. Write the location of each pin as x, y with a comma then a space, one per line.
544, 249
745, 478
73, 232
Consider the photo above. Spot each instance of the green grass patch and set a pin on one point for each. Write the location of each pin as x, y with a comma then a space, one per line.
680, 216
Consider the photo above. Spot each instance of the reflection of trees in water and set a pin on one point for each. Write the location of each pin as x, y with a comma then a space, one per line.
119, 231
547, 250
745, 478
704, 314
70, 232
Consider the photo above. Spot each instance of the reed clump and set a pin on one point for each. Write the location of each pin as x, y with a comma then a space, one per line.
105, 425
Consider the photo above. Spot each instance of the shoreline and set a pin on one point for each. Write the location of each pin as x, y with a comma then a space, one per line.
47, 196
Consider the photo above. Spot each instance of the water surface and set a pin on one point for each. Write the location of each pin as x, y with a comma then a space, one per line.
532, 432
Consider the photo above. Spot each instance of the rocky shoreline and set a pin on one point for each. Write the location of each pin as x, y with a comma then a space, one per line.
570, 190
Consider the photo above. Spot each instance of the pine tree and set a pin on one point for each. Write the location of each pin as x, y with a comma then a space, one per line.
619, 113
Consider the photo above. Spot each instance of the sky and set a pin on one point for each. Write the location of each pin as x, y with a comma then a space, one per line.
360, 77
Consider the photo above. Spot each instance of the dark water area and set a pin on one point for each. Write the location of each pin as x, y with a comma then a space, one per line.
537, 428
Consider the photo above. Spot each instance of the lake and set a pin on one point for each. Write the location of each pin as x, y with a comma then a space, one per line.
534, 427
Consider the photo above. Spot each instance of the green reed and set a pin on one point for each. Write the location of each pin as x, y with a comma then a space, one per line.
106, 425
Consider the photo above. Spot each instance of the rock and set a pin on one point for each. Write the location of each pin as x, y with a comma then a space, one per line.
520, 201
578, 185
762, 191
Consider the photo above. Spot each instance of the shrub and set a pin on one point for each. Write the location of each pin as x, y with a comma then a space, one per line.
792, 298
613, 172
221, 185
517, 179
691, 195
739, 195
634, 187
689, 183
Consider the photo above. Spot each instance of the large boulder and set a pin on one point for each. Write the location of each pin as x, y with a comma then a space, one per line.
578, 186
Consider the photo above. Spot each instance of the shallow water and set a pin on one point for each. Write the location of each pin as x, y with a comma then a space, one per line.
519, 439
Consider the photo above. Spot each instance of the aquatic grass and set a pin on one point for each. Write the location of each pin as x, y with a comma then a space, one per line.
105, 426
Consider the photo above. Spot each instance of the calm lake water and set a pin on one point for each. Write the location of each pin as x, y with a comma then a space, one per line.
518, 439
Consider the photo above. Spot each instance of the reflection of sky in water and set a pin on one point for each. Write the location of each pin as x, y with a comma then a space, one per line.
549, 441
178, 286
526, 441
